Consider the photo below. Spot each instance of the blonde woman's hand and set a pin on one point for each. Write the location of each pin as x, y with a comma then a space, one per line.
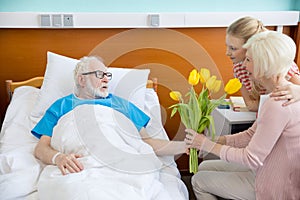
290, 93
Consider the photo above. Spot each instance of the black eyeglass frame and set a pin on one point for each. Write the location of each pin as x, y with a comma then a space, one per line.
99, 74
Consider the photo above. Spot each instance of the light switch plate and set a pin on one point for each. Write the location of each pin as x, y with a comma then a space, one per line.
45, 20
56, 20
154, 20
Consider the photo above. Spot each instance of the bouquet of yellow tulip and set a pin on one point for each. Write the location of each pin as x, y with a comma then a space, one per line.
196, 113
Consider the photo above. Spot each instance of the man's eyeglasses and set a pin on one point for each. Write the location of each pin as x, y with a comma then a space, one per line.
100, 74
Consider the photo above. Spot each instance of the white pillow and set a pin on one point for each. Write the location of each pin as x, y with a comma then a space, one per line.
129, 84
58, 82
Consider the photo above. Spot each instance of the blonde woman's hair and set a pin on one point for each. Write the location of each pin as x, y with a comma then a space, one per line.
273, 53
245, 27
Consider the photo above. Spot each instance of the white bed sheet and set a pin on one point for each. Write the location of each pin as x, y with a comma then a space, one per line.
20, 170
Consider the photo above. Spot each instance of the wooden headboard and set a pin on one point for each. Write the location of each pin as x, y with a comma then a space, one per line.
11, 85
38, 81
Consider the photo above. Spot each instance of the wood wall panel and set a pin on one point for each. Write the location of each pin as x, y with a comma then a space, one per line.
297, 39
23, 55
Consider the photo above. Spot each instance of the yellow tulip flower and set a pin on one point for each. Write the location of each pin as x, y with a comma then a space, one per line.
194, 77
204, 75
211, 82
233, 86
217, 86
175, 95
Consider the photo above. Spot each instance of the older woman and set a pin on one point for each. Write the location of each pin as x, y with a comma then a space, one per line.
271, 146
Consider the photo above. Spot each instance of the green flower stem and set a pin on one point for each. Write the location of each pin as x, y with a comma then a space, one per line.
193, 159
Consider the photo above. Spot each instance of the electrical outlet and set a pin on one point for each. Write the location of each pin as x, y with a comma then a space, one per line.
68, 20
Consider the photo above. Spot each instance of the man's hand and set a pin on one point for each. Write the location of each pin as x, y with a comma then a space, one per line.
68, 162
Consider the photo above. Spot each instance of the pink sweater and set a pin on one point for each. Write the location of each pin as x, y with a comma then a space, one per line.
271, 147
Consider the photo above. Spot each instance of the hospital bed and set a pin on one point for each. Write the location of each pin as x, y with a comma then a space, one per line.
21, 172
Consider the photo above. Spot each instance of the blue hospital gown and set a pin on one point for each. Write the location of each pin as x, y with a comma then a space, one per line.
65, 104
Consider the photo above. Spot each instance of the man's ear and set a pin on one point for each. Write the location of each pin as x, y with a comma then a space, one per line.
81, 80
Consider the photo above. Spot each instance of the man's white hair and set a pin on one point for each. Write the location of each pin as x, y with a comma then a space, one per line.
83, 66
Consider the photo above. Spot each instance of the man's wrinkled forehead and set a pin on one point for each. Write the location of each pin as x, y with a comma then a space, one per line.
97, 65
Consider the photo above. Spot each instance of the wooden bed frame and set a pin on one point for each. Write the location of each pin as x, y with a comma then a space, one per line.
38, 81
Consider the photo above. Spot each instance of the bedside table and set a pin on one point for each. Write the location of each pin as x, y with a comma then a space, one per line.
228, 121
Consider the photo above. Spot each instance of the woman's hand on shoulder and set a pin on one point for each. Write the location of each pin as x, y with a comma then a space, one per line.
290, 93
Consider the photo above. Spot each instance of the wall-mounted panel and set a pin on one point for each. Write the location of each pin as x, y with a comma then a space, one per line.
141, 20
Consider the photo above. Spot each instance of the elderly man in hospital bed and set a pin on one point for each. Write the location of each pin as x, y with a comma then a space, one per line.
93, 136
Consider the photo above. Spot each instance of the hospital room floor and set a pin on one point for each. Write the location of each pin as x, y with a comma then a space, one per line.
186, 178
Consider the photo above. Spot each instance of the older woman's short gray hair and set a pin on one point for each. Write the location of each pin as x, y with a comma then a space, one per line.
272, 53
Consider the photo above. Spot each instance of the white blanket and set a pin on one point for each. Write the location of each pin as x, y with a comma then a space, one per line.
117, 163
20, 171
